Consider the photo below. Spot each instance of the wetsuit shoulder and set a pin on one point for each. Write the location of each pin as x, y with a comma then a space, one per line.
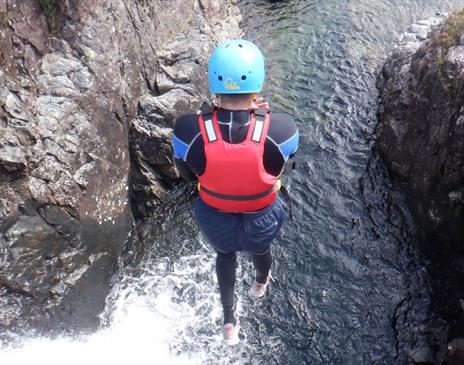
186, 127
281, 142
284, 132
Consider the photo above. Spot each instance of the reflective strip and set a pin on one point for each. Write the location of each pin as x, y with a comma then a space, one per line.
238, 197
210, 130
258, 131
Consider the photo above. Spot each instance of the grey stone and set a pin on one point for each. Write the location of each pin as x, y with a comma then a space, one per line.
456, 352
15, 108
82, 79
407, 37
430, 21
455, 58
12, 158
421, 355
164, 108
419, 30
56, 64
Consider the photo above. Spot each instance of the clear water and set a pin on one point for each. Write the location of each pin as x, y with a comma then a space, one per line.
349, 287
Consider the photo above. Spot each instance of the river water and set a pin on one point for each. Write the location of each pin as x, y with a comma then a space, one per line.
349, 287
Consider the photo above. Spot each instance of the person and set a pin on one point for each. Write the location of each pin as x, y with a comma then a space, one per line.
236, 151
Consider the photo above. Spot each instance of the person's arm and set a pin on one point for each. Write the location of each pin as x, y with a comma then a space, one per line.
181, 140
281, 144
290, 146
184, 170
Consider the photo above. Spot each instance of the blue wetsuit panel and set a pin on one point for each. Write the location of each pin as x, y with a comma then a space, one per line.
290, 146
180, 148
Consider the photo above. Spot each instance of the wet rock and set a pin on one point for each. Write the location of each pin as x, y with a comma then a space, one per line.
456, 352
12, 158
421, 137
8, 214
422, 355
419, 30
68, 99
28, 22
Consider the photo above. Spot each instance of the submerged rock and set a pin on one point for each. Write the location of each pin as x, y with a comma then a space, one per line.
70, 87
421, 137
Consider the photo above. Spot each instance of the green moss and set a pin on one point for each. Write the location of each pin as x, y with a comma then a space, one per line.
49, 8
448, 36
4, 18
88, 56
451, 32
440, 61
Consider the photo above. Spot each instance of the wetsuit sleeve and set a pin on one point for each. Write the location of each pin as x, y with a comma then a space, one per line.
282, 142
185, 130
285, 133
184, 170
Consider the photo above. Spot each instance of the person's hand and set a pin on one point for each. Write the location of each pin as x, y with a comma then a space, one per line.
259, 103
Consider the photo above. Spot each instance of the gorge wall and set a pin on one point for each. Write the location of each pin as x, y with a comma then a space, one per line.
88, 94
421, 137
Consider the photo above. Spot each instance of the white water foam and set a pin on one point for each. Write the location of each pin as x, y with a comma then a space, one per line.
169, 313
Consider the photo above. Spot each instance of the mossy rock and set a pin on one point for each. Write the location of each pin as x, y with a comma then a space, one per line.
451, 32
50, 9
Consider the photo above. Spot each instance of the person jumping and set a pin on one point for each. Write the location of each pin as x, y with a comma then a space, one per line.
236, 151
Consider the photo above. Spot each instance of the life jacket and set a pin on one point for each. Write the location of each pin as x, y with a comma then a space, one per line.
235, 179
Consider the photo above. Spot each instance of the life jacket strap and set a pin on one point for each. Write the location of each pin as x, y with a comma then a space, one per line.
276, 187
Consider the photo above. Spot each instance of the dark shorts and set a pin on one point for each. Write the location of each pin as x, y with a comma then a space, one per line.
231, 232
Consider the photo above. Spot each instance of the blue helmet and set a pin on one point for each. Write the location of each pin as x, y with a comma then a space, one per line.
236, 67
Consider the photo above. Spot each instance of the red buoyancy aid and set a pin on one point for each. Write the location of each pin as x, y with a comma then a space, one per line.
234, 179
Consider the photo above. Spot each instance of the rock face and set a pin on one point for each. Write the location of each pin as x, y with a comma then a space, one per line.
180, 86
421, 136
72, 74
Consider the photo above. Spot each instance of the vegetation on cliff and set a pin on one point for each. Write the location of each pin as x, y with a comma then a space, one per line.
49, 8
451, 31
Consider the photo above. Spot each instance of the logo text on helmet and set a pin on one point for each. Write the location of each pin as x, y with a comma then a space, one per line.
230, 84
